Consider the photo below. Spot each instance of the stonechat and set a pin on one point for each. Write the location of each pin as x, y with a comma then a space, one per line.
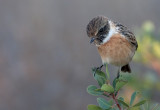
115, 42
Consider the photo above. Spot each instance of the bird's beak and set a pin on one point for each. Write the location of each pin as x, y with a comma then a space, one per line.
92, 40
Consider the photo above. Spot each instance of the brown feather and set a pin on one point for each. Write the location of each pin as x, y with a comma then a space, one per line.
117, 51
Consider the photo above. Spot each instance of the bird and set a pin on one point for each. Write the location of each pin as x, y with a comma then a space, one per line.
115, 42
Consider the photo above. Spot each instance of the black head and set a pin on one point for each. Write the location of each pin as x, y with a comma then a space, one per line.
98, 29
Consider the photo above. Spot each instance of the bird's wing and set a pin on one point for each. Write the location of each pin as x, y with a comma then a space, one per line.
127, 34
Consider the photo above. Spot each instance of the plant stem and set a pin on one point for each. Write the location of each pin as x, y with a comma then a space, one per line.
108, 76
114, 98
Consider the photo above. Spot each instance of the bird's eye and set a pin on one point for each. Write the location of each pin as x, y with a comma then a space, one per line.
102, 29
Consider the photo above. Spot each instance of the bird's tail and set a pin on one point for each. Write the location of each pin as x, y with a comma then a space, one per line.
126, 68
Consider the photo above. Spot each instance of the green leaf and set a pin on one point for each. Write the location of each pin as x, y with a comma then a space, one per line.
122, 99
125, 77
113, 109
122, 102
103, 103
98, 72
134, 108
114, 82
155, 107
150, 106
98, 89
133, 98
140, 103
99, 76
110, 102
94, 91
93, 107
120, 84
107, 88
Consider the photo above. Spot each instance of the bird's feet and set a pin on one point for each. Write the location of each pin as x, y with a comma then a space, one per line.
99, 68
118, 74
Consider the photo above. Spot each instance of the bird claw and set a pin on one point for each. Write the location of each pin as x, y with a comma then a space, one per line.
118, 74
99, 68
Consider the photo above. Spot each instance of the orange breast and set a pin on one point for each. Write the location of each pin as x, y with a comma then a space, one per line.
117, 51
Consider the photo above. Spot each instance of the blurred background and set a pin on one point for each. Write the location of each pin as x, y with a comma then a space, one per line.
46, 58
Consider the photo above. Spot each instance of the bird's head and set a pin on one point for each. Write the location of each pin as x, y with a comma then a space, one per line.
98, 30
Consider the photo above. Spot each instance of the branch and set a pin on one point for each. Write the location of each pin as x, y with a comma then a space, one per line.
114, 98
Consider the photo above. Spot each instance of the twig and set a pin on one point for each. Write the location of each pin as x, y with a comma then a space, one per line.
116, 101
